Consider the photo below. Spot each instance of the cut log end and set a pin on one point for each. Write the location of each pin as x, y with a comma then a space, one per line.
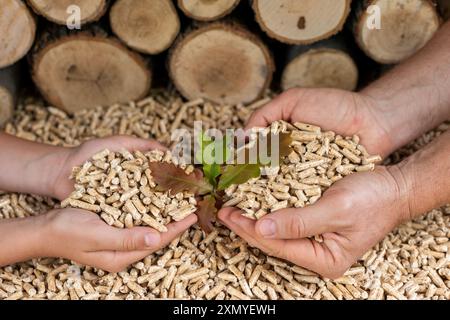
301, 22
56, 11
223, 63
6, 105
207, 10
80, 71
18, 29
406, 28
321, 68
148, 26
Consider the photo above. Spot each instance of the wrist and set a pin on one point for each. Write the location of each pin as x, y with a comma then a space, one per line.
425, 176
376, 127
404, 114
401, 184
23, 239
46, 170
39, 236
45, 236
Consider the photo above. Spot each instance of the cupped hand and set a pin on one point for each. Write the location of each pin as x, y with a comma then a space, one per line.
346, 113
352, 216
83, 237
60, 183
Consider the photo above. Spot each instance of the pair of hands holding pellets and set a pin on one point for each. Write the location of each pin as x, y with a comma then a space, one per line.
352, 216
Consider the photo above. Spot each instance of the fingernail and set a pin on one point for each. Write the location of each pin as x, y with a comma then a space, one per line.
267, 228
151, 240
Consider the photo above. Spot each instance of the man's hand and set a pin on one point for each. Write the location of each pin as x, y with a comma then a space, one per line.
83, 237
352, 216
346, 113
66, 159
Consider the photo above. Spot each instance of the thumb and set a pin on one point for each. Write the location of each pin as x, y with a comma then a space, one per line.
280, 108
139, 238
135, 239
299, 223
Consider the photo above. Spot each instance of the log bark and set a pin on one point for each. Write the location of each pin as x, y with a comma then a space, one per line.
9, 87
444, 6
56, 11
207, 10
301, 22
221, 62
81, 70
148, 26
326, 64
406, 26
18, 29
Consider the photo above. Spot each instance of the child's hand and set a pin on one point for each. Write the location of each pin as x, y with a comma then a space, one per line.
45, 170
61, 186
83, 237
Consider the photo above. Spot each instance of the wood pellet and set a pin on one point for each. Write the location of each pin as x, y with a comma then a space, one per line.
412, 262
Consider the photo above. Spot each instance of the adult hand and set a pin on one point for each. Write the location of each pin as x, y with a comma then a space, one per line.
352, 216
83, 237
344, 112
355, 213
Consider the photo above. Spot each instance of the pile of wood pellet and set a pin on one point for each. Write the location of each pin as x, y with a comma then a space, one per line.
318, 159
412, 262
154, 117
120, 188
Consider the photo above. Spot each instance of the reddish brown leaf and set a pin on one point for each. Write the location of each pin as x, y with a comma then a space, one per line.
206, 213
284, 148
169, 177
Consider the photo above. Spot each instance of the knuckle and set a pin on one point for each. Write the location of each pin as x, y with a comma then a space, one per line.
342, 199
296, 226
256, 115
129, 244
345, 202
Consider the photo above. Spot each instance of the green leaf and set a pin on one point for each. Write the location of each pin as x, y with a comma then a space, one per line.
206, 212
238, 174
212, 172
169, 177
203, 141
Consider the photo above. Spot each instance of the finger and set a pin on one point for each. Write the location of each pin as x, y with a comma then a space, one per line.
108, 238
280, 108
299, 223
303, 252
176, 228
130, 143
116, 261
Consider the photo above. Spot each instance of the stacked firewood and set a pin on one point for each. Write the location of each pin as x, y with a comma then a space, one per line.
221, 50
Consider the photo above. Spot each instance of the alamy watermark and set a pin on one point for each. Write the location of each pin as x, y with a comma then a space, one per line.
73, 21
374, 20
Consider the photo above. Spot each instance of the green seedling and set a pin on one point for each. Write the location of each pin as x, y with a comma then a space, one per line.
216, 172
